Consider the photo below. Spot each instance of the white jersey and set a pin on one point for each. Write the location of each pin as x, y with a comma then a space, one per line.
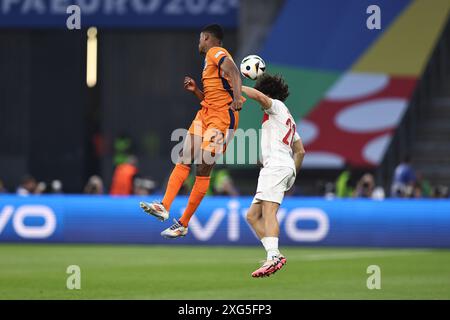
278, 135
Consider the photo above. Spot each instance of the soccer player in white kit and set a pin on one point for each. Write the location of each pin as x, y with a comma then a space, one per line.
282, 154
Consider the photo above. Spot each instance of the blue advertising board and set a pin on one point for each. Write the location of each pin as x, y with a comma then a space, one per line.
221, 221
119, 13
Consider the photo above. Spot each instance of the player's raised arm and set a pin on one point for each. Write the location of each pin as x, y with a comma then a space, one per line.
299, 151
190, 85
233, 73
258, 96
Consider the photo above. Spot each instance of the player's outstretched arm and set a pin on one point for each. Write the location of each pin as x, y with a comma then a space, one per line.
232, 72
299, 153
258, 96
190, 85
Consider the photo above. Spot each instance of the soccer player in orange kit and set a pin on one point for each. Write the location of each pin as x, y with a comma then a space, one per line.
212, 127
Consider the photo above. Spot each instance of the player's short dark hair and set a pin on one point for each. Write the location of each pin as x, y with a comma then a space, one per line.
273, 86
216, 30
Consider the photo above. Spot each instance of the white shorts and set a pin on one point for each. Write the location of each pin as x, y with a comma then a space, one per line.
273, 182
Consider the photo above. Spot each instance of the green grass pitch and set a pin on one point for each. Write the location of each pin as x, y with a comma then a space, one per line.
38, 271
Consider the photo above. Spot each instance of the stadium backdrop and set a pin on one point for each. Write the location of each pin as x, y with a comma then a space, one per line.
120, 14
221, 221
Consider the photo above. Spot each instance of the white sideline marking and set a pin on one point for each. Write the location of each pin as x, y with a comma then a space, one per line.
358, 254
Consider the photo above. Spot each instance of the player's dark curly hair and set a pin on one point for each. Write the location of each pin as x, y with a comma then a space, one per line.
273, 86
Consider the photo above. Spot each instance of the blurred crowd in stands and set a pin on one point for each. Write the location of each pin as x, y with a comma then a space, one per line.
126, 180
406, 183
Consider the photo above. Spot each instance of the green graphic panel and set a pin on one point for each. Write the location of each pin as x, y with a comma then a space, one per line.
306, 87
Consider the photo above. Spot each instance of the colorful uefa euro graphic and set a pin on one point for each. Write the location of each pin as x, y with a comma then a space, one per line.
350, 84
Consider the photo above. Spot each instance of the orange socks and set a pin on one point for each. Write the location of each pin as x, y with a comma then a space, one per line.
176, 180
199, 190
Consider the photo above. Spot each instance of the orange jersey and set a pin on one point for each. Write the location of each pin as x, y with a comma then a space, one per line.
122, 183
216, 86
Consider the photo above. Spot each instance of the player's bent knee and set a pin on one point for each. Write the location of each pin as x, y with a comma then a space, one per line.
188, 164
251, 218
204, 170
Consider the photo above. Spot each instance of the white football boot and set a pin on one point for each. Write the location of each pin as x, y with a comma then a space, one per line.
155, 209
175, 231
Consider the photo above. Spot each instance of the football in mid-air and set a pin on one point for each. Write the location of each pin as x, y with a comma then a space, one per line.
253, 67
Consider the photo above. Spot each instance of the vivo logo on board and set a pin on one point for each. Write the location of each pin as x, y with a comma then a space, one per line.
289, 223
18, 215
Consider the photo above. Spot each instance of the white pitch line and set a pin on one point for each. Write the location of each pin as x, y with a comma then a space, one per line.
350, 255
357, 255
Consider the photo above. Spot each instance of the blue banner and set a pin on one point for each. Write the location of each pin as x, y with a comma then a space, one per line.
119, 13
221, 221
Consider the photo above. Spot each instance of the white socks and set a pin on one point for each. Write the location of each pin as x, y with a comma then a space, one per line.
271, 246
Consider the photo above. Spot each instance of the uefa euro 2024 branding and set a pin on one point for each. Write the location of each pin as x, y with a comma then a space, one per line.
113, 7
113, 13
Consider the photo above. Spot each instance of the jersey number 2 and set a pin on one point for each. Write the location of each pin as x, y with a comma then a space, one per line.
289, 137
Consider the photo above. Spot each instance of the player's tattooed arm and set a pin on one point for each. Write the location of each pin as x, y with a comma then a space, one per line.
258, 96
190, 85
233, 73
299, 153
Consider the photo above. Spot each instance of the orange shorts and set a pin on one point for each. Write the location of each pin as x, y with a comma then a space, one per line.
215, 127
